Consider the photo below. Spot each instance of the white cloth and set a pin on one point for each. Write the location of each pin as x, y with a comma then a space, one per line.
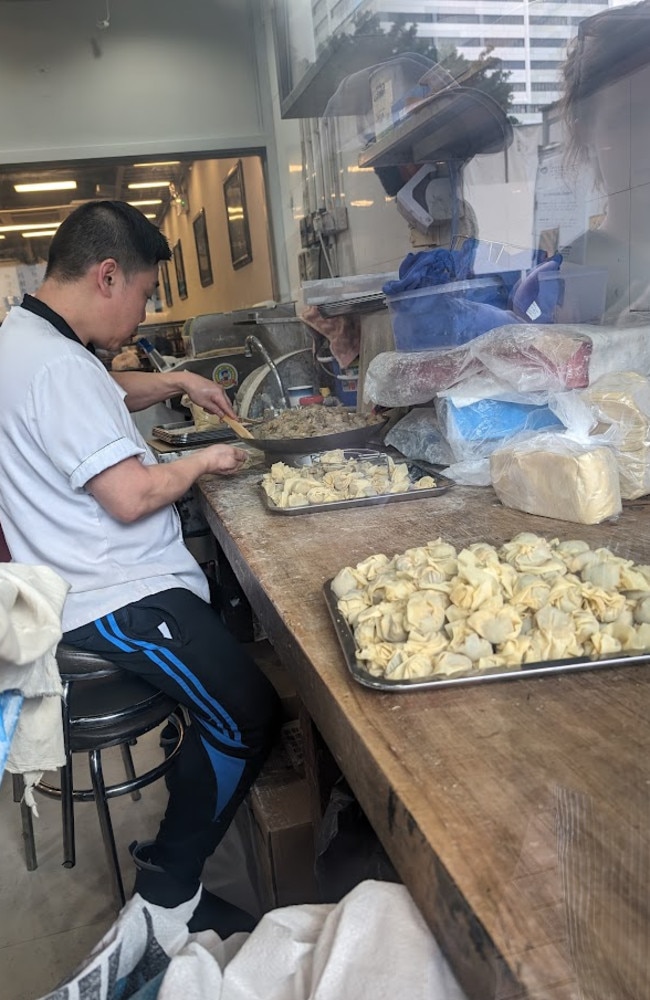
373, 943
31, 602
64, 420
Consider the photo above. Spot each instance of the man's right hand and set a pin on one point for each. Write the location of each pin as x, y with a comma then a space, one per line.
130, 489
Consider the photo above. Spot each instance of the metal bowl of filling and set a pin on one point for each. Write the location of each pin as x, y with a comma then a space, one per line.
306, 429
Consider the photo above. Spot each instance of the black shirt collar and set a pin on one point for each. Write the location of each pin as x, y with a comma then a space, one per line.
34, 305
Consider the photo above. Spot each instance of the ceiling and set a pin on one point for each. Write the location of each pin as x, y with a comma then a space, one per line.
95, 179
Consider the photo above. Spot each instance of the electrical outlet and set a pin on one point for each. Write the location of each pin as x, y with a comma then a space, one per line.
335, 221
340, 218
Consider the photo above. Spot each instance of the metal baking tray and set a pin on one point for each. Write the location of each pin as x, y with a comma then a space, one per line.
186, 433
416, 469
356, 668
371, 302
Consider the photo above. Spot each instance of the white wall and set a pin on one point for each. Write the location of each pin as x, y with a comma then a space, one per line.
164, 77
230, 289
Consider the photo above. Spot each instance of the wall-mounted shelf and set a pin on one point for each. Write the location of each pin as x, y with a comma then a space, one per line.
343, 55
453, 126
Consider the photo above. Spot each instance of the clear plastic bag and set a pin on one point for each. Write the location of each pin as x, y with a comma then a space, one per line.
541, 358
570, 475
523, 358
417, 435
620, 405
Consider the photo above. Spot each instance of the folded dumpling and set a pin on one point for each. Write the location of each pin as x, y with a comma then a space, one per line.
425, 612
496, 627
450, 664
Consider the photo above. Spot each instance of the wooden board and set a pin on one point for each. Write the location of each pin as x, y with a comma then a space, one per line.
516, 813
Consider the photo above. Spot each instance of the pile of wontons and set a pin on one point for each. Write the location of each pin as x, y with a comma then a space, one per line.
435, 612
333, 478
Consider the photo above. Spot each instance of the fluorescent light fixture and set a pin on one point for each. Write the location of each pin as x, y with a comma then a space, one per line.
39, 232
46, 186
148, 184
358, 170
2, 237
150, 201
28, 225
362, 203
295, 168
40, 209
160, 163
150, 215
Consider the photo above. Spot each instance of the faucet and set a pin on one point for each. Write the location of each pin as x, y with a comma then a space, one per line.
253, 342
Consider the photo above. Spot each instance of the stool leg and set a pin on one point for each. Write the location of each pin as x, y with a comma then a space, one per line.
106, 826
129, 769
66, 783
17, 787
67, 815
27, 824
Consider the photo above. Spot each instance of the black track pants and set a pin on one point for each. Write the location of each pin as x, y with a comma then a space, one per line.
178, 643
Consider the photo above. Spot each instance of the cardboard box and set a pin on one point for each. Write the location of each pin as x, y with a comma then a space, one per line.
283, 840
282, 834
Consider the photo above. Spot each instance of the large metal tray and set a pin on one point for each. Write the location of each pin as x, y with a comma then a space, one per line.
346, 639
326, 442
416, 469
183, 433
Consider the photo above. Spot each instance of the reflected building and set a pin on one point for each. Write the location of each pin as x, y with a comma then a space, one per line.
528, 36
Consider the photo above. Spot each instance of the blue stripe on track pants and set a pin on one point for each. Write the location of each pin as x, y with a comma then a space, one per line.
178, 643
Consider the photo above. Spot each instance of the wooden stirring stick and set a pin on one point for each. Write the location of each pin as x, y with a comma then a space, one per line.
238, 428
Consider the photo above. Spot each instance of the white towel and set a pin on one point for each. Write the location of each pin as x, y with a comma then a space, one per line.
31, 602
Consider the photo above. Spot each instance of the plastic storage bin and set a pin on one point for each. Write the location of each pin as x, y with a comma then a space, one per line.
348, 287
446, 315
346, 384
583, 291
452, 314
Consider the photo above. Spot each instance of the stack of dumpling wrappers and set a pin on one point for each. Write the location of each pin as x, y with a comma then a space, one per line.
555, 475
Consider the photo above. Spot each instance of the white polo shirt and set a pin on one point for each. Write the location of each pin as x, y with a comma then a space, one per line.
63, 420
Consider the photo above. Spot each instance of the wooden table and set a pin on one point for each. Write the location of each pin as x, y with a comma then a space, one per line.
515, 811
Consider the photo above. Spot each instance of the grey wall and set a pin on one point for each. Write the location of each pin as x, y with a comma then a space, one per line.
167, 75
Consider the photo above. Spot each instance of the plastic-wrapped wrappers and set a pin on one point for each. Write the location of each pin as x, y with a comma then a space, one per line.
621, 401
523, 357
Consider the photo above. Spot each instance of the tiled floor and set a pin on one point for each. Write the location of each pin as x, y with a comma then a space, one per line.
52, 917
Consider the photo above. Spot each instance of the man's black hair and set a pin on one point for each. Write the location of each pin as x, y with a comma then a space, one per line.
102, 229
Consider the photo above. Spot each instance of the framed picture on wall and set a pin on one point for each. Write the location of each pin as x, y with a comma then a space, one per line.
202, 249
166, 284
179, 265
238, 230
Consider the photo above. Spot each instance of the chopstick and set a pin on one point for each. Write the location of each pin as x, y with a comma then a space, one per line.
238, 428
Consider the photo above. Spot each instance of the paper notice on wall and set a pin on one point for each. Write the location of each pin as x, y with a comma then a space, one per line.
564, 203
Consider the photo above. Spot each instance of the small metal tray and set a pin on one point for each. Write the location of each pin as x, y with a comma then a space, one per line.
416, 469
186, 433
360, 674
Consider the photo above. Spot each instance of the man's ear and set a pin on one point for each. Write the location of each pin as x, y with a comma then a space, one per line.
106, 275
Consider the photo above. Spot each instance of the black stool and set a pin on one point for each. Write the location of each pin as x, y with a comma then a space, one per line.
103, 706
